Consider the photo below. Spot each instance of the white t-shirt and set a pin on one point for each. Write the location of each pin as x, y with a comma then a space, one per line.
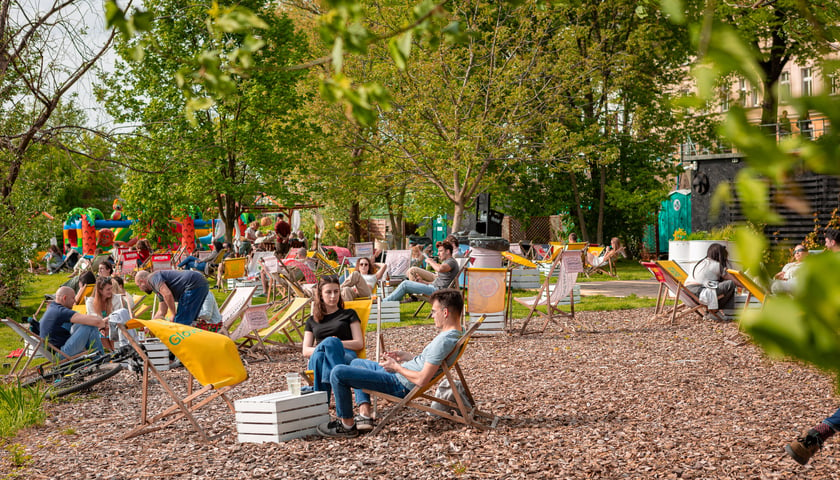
705, 271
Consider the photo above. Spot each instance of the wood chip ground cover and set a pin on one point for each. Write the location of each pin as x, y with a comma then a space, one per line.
618, 398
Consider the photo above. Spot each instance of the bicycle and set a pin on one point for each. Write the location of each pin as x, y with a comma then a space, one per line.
83, 372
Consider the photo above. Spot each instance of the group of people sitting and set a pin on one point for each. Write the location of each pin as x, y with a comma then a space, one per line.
333, 337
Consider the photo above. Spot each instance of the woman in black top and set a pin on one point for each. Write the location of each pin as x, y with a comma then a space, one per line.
333, 333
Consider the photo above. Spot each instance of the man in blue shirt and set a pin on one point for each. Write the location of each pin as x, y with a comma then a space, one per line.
397, 374
188, 288
68, 330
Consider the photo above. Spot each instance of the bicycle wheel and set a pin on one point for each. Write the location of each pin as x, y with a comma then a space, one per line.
83, 380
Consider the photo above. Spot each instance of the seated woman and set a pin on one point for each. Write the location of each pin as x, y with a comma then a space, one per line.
333, 333
144, 251
709, 281
54, 259
785, 281
104, 302
610, 251
362, 281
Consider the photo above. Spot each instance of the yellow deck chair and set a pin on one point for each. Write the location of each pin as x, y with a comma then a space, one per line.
685, 302
284, 322
208, 357
753, 289
325, 265
231, 268
467, 411
88, 291
362, 308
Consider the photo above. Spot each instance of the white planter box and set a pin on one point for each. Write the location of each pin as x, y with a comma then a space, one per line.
494, 323
390, 312
525, 278
279, 417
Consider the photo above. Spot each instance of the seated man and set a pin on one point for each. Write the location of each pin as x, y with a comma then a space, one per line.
397, 374
188, 288
73, 339
447, 270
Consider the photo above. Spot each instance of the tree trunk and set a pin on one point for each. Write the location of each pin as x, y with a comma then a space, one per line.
458, 214
772, 68
576, 195
355, 209
602, 194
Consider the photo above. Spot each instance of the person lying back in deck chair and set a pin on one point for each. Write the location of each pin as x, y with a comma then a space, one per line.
612, 251
447, 270
398, 372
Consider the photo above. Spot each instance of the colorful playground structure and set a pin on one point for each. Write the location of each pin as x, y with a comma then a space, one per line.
87, 229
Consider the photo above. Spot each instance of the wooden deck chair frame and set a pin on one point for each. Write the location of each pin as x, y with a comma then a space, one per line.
467, 415
463, 262
685, 302
323, 265
234, 306
607, 268
286, 320
550, 298
181, 407
754, 290
661, 295
37, 345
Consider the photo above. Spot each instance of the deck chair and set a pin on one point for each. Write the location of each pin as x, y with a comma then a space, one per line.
467, 411
685, 302
128, 263
567, 265
463, 263
398, 261
283, 322
235, 305
362, 308
88, 291
515, 258
323, 265
34, 344
754, 290
213, 263
230, 268
661, 295
161, 262
254, 319
208, 357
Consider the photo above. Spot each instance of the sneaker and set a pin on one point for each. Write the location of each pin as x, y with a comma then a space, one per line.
804, 447
337, 429
363, 424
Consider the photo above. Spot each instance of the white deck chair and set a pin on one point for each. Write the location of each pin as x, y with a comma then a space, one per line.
36, 347
235, 305
568, 265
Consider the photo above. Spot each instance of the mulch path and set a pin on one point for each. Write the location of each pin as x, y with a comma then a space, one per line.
618, 398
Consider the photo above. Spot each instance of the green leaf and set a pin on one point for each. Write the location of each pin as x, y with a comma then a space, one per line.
750, 246
338, 54
396, 54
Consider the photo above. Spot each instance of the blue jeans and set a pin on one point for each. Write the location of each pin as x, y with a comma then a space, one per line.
192, 263
407, 286
329, 353
84, 337
833, 421
361, 373
189, 305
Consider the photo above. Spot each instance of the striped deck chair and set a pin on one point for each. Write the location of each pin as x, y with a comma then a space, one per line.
286, 321
685, 302
567, 266
234, 306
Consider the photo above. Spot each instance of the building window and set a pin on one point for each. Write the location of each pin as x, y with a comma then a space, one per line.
784, 87
743, 92
807, 82
833, 81
756, 101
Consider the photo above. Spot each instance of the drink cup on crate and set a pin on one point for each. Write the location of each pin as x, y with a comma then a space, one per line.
293, 381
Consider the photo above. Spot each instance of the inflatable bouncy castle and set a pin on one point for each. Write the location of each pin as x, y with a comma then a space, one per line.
87, 228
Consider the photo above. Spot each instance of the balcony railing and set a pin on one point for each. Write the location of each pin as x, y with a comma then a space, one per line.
805, 129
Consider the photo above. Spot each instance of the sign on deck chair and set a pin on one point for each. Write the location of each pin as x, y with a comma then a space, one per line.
161, 261
211, 358
486, 294
398, 262
129, 263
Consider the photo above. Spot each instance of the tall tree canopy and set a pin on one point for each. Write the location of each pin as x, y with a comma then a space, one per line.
243, 144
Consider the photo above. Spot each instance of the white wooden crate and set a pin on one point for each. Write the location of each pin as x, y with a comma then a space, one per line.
525, 278
544, 268
492, 325
158, 353
390, 312
280, 416
232, 283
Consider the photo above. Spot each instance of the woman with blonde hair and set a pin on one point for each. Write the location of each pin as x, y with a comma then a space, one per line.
362, 281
